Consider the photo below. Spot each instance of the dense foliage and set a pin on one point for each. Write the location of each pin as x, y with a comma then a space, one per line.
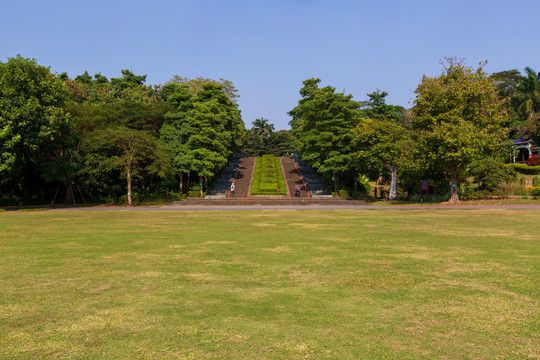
109, 139
262, 139
322, 123
458, 117
268, 177
91, 138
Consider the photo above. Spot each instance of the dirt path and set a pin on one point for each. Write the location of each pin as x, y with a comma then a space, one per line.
243, 178
293, 177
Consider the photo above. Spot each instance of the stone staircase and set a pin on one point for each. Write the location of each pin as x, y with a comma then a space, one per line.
267, 201
314, 184
240, 170
222, 184
243, 178
293, 178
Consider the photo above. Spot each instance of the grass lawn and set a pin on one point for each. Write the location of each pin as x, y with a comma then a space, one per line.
291, 284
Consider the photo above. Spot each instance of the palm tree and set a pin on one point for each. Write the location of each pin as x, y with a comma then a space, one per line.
528, 102
262, 126
528, 96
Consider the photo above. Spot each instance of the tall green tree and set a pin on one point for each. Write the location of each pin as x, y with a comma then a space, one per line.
130, 152
115, 135
203, 132
377, 108
528, 101
506, 83
322, 123
382, 143
458, 117
195, 85
262, 126
32, 123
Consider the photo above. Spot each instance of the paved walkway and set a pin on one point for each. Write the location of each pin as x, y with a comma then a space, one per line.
299, 207
243, 178
293, 177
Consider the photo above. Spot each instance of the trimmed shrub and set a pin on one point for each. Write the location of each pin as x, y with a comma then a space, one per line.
535, 191
525, 169
268, 177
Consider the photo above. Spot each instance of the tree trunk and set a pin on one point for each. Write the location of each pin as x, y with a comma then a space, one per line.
200, 184
128, 175
453, 189
336, 183
181, 182
393, 182
69, 190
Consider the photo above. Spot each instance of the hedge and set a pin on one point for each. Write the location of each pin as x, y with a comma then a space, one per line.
526, 169
268, 177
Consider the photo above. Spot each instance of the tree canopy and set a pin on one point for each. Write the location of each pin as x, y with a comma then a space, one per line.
33, 122
322, 123
458, 117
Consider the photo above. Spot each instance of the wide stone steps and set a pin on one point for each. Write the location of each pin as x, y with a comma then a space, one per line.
267, 201
293, 178
240, 171
243, 178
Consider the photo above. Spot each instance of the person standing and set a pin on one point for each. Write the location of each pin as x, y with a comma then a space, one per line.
232, 188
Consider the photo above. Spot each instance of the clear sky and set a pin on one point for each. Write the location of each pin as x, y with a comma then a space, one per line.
267, 48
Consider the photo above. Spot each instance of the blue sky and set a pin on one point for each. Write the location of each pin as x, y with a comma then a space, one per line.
267, 48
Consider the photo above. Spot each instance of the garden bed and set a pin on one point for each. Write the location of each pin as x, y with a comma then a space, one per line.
268, 177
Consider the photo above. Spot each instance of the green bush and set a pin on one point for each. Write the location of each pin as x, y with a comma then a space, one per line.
490, 174
363, 185
477, 195
511, 189
535, 191
525, 169
197, 193
344, 193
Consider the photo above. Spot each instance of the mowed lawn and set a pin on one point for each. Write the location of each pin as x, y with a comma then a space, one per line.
291, 284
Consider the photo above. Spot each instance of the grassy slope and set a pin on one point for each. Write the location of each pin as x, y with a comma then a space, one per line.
277, 182
270, 284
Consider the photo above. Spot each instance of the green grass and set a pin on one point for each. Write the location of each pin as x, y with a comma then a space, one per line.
268, 177
291, 284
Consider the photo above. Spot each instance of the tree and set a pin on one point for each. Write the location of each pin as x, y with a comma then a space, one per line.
506, 82
104, 152
528, 101
458, 117
377, 108
322, 123
128, 80
262, 126
383, 143
32, 122
196, 85
130, 151
203, 132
